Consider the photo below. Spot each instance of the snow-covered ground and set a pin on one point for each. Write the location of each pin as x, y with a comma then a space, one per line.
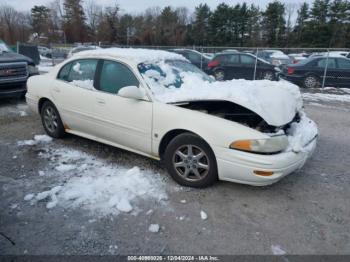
82, 181
327, 94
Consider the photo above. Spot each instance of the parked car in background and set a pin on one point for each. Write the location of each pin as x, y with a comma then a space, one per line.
14, 72
44, 51
198, 59
331, 53
275, 57
236, 65
296, 58
121, 97
309, 73
81, 48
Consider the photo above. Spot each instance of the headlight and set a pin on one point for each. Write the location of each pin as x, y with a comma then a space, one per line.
33, 70
269, 145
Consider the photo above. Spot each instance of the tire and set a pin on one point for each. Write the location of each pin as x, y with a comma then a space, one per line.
219, 75
311, 81
182, 165
51, 120
268, 75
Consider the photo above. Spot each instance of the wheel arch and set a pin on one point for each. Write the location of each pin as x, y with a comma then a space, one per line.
170, 135
41, 103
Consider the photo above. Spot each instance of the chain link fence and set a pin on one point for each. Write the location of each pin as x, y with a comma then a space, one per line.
328, 66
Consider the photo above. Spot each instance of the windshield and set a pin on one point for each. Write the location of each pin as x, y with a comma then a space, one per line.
4, 47
170, 73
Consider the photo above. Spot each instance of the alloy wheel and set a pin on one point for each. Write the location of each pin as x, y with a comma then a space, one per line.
191, 162
50, 119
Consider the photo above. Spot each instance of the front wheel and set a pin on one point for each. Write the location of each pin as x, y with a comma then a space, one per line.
190, 161
51, 120
311, 82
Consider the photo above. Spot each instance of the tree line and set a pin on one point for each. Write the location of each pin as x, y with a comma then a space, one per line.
324, 23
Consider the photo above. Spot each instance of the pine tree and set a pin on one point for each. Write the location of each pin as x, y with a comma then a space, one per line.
200, 25
40, 18
274, 24
74, 21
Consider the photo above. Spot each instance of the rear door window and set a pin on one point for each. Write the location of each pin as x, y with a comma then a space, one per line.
247, 60
82, 73
233, 59
323, 62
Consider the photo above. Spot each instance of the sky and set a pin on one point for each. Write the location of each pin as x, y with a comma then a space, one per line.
138, 6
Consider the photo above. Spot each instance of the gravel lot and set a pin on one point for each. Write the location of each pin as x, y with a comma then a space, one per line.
306, 213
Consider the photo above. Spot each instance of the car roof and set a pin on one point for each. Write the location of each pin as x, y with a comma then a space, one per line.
137, 55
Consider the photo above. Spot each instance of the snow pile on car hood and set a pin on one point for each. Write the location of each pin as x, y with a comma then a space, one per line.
276, 102
301, 133
137, 54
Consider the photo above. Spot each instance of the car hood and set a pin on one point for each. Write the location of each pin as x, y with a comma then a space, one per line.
276, 102
6, 57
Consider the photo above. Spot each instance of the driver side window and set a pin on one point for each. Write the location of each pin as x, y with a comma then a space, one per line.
115, 76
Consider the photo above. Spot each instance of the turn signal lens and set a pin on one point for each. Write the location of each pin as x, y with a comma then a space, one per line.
263, 173
273, 144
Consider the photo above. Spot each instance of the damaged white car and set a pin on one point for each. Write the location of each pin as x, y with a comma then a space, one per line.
157, 104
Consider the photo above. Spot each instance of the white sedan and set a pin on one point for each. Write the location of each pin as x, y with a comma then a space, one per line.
157, 104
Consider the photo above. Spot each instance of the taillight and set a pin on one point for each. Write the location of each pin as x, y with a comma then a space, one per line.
291, 70
213, 63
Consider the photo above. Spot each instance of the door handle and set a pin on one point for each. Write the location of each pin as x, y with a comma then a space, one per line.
56, 89
101, 101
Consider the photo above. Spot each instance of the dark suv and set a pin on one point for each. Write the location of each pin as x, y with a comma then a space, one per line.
236, 65
14, 72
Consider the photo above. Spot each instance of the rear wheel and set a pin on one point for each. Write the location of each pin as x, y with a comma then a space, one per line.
190, 161
311, 81
219, 75
51, 120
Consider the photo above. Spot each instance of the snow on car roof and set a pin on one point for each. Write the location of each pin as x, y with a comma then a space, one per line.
139, 55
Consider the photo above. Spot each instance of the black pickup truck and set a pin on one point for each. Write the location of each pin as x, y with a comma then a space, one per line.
14, 72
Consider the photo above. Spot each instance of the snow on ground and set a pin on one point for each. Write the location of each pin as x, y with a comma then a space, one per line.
37, 139
86, 182
326, 97
204, 215
277, 250
154, 228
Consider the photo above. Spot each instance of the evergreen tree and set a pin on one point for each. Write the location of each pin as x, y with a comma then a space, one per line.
220, 25
40, 18
74, 21
200, 25
274, 24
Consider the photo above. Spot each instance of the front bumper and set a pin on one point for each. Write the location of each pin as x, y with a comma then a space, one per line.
238, 166
14, 89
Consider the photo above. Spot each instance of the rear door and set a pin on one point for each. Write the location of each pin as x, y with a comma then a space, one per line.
332, 73
73, 92
247, 67
232, 67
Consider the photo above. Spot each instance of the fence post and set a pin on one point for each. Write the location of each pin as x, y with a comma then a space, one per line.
325, 70
256, 62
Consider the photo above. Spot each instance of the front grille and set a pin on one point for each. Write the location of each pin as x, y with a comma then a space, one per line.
10, 72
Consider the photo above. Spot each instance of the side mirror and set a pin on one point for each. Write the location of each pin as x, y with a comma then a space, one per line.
131, 92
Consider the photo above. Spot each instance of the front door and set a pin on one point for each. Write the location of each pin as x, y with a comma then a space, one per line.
124, 121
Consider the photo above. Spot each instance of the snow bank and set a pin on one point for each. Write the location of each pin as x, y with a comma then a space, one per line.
277, 250
137, 54
327, 97
37, 139
300, 133
95, 185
